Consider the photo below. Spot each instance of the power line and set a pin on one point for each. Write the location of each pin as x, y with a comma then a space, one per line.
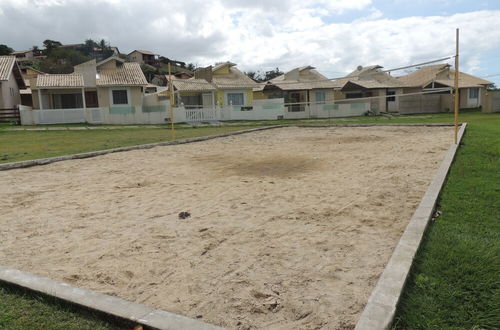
491, 75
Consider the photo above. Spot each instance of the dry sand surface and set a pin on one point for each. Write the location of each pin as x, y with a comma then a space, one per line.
290, 228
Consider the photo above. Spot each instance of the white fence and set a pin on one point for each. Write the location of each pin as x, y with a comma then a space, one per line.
158, 113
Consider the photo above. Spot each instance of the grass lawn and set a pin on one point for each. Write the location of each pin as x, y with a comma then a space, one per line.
24, 310
455, 280
22, 145
454, 283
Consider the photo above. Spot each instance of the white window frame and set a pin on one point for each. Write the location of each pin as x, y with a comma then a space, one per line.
477, 94
323, 101
111, 101
226, 98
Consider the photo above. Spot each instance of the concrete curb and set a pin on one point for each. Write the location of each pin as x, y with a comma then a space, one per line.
381, 307
376, 125
378, 313
45, 161
122, 309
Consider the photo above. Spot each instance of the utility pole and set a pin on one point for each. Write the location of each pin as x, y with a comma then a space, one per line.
172, 101
457, 98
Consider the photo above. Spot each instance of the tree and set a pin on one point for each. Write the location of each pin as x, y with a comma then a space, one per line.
103, 45
253, 75
62, 60
164, 60
149, 71
50, 45
191, 67
5, 50
272, 74
105, 48
89, 46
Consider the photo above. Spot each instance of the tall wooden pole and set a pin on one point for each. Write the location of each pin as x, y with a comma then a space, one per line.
457, 98
171, 98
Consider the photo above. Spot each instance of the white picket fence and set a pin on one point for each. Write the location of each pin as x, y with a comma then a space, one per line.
158, 113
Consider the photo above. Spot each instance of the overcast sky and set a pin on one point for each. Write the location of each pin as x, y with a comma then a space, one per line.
333, 35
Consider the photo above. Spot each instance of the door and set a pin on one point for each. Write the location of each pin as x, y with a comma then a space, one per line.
391, 101
91, 99
207, 100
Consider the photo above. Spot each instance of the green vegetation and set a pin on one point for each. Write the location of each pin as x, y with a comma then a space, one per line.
24, 310
23, 145
5, 50
454, 283
264, 76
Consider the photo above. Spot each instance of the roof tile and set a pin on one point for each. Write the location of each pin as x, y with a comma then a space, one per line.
6, 65
59, 80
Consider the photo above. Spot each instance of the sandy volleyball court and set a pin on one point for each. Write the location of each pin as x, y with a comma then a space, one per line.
290, 228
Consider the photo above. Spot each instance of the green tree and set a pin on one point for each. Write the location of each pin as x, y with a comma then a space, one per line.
272, 74
5, 50
149, 71
50, 45
254, 75
88, 47
62, 60
191, 67
105, 48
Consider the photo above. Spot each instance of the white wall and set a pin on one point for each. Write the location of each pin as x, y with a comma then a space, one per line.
10, 93
270, 109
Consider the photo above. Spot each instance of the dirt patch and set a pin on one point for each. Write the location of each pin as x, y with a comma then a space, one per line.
341, 138
286, 230
258, 165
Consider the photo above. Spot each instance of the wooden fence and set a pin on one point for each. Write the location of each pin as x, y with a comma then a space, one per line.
10, 115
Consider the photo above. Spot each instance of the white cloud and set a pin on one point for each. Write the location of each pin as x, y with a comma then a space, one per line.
256, 35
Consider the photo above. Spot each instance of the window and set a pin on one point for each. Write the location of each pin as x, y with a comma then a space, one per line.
391, 98
191, 101
320, 97
473, 93
235, 99
353, 95
120, 96
67, 101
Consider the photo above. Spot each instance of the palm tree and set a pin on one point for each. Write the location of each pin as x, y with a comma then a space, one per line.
103, 45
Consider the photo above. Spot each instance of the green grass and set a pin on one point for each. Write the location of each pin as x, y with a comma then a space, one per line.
455, 280
454, 283
24, 310
23, 145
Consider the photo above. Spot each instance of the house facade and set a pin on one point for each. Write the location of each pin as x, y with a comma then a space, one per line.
143, 57
222, 85
306, 93
371, 82
11, 82
110, 87
300, 87
428, 78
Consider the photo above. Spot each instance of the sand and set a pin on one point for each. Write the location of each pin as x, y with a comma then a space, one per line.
289, 229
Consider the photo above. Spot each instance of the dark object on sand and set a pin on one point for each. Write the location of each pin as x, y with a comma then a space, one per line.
184, 215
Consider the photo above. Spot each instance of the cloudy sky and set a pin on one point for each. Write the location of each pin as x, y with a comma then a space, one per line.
333, 35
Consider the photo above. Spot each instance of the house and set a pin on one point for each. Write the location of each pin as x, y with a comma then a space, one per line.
371, 81
11, 82
471, 89
234, 88
112, 84
22, 55
143, 57
28, 73
301, 88
222, 85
